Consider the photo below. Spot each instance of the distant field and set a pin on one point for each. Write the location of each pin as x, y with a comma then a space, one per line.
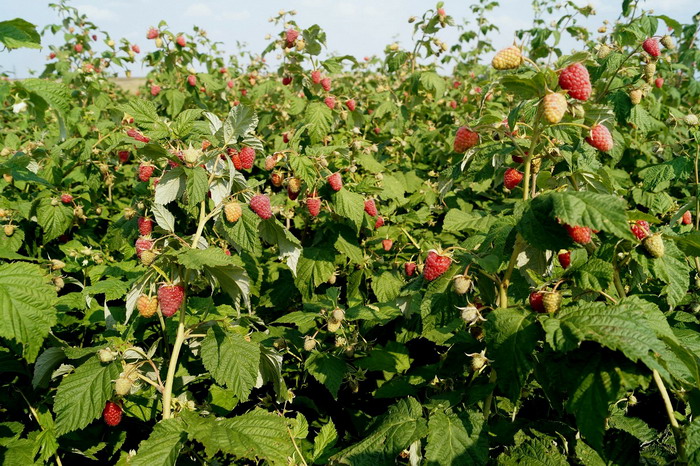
129, 84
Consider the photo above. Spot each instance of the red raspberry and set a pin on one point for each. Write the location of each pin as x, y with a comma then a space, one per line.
132, 133
145, 171
136, 48
112, 414
565, 259
244, 92
316, 76
276, 179
600, 138
143, 244
66, 198
313, 205
379, 222
387, 244
456, 84
229, 84
78, 47
330, 102
52, 55
464, 139
235, 158
536, 301
170, 298
287, 80
145, 226
181, 41
285, 138
453, 104
517, 158
579, 234
152, 33
659, 82
409, 268
435, 265
575, 79
326, 84
652, 47
290, 36
155, 90
270, 162
370, 207
247, 156
641, 229
293, 188
687, 218
123, 155
511, 178
260, 204
335, 181
192, 80
350, 103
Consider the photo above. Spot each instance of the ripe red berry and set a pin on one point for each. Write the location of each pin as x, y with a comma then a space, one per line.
316, 76
290, 36
132, 133
652, 47
181, 41
370, 207
260, 204
387, 244
123, 155
659, 82
143, 244
152, 33
565, 259
536, 301
155, 90
313, 205
350, 103
330, 102
229, 84
285, 137
136, 48
78, 47
641, 229
52, 55
192, 80
145, 171
453, 104
687, 218
170, 298
435, 265
247, 156
409, 268
66, 198
326, 84
112, 414
579, 234
511, 178
465, 139
287, 80
379, 222
600, 138
145, 226
335, 181
575, 79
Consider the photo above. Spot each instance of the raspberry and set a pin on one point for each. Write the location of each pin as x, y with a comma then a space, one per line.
9, 230
170, 298
579, 234
290, 36
326, 84
335, 181
370, 207
536, 301
260, 204
313, 205
636, 96
387, 244
192, 80
132, 133
690, 119
142, 244
286, 81
155, 90
232, 211
409, 268
316, 76
652, 47
285, 137
600, 138
654, 245
379, 222
465, 139
551, 301
350, 103
554, 107
575, 79
145, 171
270, 162
147, 306
659, 82
564, 259
181, 41
136, 48
112, 414
517, 158
276, 179
229, 84
78, 48
435, 265
145, 226
507, 59
247, 156
152, 33
66, 198
461, 284
148, 257
330, 102
122, 386
667, 42
640, 229
687, 218
511, 178
293, 188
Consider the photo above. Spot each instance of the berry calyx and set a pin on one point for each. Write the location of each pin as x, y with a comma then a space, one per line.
260, 204
170, 298
435, 265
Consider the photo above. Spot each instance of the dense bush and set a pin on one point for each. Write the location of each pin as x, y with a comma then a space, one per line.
353, 261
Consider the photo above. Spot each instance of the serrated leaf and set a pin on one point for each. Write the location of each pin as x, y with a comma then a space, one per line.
231, 360
241, 120
18, 33
163, 446
598, 211
349, 205
234, 281
315, 267
45, 364
54, 93
82, 395
243, 234
164, 218
171, 186
432, 81
387, 286
197, 259
324, 441
327, 369
196, 186
595, 274
456, 439
273, 232
54, 220
318, 118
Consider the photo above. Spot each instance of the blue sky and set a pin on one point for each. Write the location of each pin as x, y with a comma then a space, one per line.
355, 27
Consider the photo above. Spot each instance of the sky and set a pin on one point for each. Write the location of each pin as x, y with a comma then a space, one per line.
355, 27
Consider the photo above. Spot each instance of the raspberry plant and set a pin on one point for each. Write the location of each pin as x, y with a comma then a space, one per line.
343, 261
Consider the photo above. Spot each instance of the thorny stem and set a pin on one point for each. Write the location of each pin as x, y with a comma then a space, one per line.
675, 428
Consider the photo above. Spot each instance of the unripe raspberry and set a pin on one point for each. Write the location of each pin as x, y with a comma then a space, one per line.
636, 96
122, 386
148, 257
461, 284
232, 211
478, 361
551, 301
106, 355
691, 120
309, 343
338, 315
604, 51
293, 188
554, 105
143, 244
667, 42
654, 245
507, 59
147, 306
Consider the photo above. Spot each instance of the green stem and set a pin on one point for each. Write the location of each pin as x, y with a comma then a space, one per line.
675, 428
503, 286
172, 367
489, 399
617, 281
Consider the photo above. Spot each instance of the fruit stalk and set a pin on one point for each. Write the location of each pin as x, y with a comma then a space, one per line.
675, 428
503, 286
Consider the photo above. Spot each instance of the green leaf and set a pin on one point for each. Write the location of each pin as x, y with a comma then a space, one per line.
232, 360
392, 358
323, 442
55, 220
457, 221
349, 205
327, 369
196, 186
240, 121
144, 111
45, 364
82, 395
197, 259
511, 337
243, 234
163, 446
346, 243
524, 88
595, 274
18, 33
456, 439
534, 451
54, 93
303, 168
387, 286
171, 186
598, 211
392, 433
234, 281
432, 81
315, 267
318, 118
27, 310
273, 232
693, 442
